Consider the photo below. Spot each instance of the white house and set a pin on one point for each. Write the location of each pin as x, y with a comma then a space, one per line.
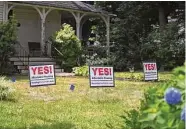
38, 20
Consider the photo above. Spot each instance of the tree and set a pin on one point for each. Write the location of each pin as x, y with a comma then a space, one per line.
8, 38
134, 23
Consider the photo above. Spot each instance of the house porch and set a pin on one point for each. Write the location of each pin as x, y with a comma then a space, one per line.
38, 23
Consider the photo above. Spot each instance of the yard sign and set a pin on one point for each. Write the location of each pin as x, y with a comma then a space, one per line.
101, 76
150, 71
41, 75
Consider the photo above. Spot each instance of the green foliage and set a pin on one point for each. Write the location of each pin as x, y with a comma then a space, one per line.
130, 119
69, 46
155, 112
8, 38
6, 91
96, 59
134, 23
81, 71
139, 76
168, 43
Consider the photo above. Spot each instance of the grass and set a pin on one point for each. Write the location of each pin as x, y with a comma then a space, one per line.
162, 76
56, 107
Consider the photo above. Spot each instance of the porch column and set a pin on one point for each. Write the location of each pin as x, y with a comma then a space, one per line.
78, 21
78, 18
108, 35
43, 32
43, 14
81, 26
78, 29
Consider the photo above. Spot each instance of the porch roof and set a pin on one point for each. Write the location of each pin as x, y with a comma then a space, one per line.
74, 5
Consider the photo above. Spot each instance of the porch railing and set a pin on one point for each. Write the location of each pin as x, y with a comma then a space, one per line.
22, 55
53, 47
54, 50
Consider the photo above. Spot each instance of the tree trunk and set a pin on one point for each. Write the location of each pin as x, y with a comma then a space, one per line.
162, 17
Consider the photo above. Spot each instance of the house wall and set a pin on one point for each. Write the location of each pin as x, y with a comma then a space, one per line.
1, 10
30, 25
53, 23
29, 30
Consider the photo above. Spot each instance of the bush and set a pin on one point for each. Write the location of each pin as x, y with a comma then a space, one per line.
69, 47
81, 71
95, 60
6, 91
162, 106
8, 38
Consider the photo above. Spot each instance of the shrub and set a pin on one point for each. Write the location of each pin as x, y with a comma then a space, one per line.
69, 46
6, 91
81, 71
97, 59
8, 38
163, 105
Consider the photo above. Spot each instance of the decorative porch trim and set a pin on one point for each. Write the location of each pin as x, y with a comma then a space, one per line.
12, 6
106, 19
7, 10
77, 17
81, 25
43, 14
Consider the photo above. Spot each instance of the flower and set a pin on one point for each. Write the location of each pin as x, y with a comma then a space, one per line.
183, 114
172, 96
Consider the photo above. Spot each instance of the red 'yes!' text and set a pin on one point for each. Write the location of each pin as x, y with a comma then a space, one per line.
41, 70
150, 66
102, 71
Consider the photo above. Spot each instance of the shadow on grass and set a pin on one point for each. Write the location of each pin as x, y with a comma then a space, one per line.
26, 77
13, 100
20, 77
63, 125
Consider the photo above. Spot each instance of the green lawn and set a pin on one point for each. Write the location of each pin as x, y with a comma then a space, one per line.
56, 107
162, 76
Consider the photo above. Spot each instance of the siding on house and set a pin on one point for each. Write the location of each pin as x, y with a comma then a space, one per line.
29, 30
1, 10
30, 25
53, 23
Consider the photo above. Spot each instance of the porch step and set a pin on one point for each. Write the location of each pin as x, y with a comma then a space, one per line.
32, 59
21, 63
